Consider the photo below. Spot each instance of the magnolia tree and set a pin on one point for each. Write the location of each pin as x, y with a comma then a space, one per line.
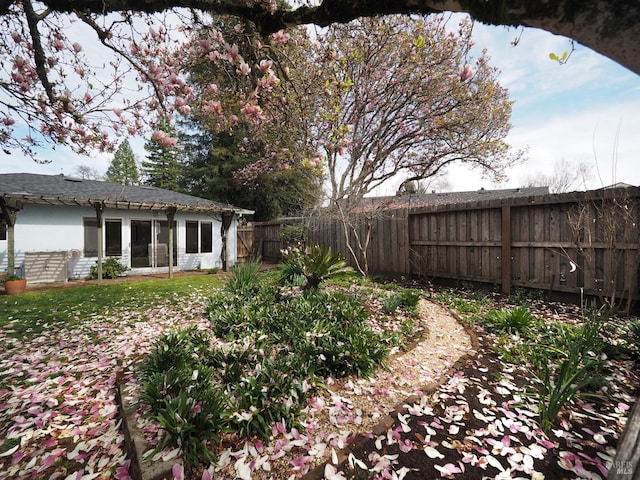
84, 76
402, 99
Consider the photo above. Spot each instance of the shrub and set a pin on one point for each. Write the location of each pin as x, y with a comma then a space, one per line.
292, 235
513, 320
580, 369
111, 268
243, 278
190, 421
178, 390
314, 264
282, 343
405, 298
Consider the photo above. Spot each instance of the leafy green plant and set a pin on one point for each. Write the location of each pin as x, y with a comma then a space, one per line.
190, 422
178, 392
560, 382
633, 337
405, 298
315, 264
513, 320
181, 350
459, 303
111, 268
295, 234
243, 278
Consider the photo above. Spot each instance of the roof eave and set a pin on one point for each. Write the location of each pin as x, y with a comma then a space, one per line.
123, 204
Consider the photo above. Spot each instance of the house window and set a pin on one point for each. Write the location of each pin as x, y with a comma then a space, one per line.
3, 230
192, 237
90, 237
206, 237
113, 237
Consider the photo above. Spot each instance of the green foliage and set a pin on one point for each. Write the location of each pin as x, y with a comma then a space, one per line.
280, 341
513, 320
406, 298
460, 303
243, 278
293, 234
328, 329
179, 392
111, 268
123, 168
578, 369
162, 169
315, 264
632, 338
212, 160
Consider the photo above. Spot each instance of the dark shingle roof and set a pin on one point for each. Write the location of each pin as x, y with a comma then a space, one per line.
62, 190
417, 200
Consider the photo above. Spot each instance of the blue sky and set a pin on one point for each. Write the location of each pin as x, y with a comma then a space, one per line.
586, 111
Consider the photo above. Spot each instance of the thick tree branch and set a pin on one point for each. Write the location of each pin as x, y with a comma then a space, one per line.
611, 27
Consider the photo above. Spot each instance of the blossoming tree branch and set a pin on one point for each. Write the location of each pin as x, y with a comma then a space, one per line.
83, 74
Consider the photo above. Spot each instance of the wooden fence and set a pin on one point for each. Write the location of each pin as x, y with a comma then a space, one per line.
265, 239
581, 241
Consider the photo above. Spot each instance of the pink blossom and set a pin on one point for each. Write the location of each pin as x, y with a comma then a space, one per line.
245, 69
77, 47
265, 65
178, 472
466, 72
8, 121
252, 111
16, 37
281, 37
232, 53
164, 139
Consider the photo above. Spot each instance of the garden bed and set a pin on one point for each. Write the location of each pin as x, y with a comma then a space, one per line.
349, 407
59, 415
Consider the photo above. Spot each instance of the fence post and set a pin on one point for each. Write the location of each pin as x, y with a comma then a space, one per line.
407, 240
506, 249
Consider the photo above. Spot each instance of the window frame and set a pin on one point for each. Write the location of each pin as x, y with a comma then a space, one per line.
192, 237
206, 243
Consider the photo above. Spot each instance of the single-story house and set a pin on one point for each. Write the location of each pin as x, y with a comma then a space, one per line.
54, 228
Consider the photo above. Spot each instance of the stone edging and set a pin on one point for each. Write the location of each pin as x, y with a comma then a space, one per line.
139, 469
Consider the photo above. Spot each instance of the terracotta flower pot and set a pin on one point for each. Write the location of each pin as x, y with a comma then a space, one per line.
15, 287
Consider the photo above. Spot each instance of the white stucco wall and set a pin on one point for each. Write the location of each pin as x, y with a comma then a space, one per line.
44, 228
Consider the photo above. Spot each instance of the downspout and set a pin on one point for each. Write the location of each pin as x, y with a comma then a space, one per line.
171, 213
99, 211
9, 216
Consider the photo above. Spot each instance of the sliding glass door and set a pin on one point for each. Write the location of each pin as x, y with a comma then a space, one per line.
150, 243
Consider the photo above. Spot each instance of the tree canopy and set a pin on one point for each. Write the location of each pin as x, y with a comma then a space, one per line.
123, 167
69, 70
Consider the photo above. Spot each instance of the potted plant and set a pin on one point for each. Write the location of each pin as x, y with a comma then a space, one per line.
14, 285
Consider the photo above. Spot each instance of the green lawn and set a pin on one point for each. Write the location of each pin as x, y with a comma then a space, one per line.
33, 312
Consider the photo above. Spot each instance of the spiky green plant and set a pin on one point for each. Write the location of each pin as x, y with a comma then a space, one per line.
315, 264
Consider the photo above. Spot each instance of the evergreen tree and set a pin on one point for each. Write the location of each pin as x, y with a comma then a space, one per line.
123, 168
162, 169
211, 161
